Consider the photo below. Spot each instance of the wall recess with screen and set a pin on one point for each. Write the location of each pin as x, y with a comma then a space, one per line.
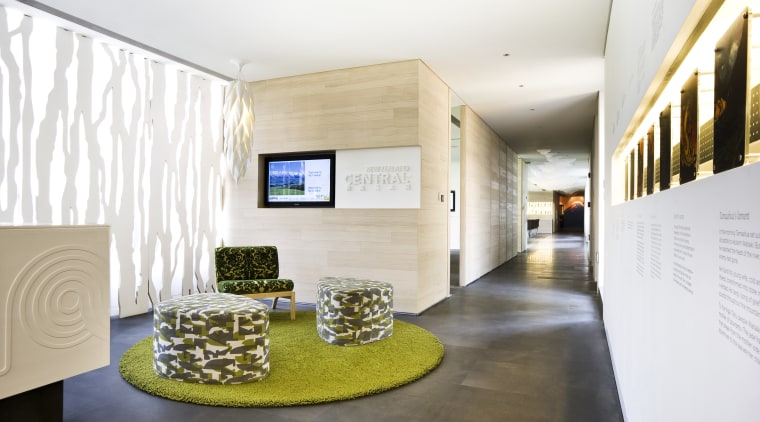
298, 179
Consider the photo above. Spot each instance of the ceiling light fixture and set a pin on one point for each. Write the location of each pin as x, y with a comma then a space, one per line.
238, 124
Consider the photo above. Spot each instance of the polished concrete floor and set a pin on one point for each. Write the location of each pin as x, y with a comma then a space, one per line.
523, 343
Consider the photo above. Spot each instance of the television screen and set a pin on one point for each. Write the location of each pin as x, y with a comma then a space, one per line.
300, 180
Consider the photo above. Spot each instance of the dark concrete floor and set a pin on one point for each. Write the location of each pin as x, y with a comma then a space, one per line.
454, 267
524, 343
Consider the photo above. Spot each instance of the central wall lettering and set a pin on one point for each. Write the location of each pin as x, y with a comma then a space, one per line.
381, 178
378, 178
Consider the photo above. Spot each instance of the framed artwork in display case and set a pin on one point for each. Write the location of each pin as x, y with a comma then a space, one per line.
650, 160
640, 169
689, 125
627, 177
632, 172
731, 73
665, 148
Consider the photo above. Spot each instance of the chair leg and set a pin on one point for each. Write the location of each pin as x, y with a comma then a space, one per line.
274, 302
292, 306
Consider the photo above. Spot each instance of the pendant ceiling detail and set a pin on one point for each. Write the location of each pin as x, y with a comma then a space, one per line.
238, 127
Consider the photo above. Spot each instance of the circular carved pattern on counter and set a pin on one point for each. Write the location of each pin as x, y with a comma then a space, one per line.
59, 296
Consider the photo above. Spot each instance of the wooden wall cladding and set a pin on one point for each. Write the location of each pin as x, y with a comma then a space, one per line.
489, 193
388, 105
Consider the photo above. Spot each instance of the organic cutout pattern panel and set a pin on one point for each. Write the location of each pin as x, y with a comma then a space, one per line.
93, 134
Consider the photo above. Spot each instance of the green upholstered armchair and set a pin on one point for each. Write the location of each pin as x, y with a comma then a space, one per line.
253, 271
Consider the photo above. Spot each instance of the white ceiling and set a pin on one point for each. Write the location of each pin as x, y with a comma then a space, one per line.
541, 99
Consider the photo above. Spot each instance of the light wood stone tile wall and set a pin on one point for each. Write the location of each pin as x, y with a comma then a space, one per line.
435, 138
489, 195
390, 105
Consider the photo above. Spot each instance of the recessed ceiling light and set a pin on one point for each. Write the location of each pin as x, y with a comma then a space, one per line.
522, 86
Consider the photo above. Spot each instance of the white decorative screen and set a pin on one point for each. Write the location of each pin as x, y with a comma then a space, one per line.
92, 134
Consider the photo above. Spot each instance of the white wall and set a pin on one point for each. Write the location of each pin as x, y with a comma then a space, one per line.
682, 301
540, 196
598, 187
522, 207
92, 134
546, 222
641, 33
680, 306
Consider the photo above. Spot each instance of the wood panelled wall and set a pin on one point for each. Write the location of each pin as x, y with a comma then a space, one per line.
390, 105
490, 216
435, 138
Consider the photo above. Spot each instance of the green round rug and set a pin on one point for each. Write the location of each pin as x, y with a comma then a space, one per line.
304, 369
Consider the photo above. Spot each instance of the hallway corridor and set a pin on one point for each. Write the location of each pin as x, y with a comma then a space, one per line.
529, 336
524, 343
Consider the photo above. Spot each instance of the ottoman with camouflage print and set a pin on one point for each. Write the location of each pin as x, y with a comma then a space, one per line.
212, 338
352, 312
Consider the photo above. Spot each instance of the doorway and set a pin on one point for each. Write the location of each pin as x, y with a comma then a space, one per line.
454, 197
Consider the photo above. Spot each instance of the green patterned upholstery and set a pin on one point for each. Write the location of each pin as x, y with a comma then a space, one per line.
252, 271
352, 312
241, 287
211, 338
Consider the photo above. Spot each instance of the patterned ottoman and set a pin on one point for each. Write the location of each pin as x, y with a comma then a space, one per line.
351, 312
212, 338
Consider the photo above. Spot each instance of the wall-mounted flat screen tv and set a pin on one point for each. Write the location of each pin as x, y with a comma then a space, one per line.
300, 180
